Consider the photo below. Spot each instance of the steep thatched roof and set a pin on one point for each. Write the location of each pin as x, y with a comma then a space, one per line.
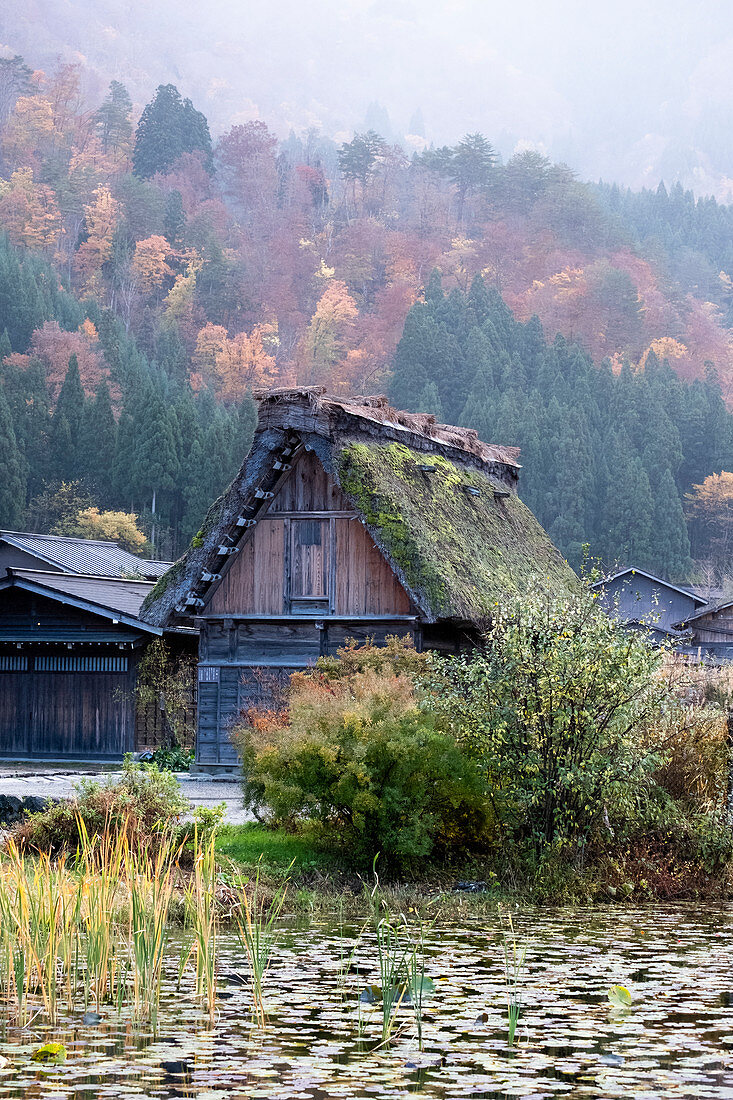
439, 503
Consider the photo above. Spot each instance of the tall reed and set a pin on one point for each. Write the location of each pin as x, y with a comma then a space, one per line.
255, 922
514, 962
95, 928
202, 921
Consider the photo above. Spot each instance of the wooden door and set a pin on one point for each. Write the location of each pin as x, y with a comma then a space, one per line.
310, 565
15, 702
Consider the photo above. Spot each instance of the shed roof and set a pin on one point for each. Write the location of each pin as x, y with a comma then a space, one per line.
439, 503
89, 556
110, 597
710, 609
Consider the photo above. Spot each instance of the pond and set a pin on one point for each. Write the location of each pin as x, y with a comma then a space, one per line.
322, 1038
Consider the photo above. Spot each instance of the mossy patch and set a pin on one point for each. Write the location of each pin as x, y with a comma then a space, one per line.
172, 576
459, 553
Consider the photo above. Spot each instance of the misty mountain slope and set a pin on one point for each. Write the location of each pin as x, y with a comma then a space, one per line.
629, 93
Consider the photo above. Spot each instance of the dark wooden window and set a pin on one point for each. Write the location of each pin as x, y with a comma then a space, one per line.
81, 664
10, 662
310, 560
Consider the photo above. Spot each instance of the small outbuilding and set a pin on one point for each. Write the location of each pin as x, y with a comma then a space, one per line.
348, 519
644, 602
69, 647
710, 631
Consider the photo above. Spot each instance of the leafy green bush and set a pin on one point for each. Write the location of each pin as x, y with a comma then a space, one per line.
173, 758
143, 800
555, 711
359, 756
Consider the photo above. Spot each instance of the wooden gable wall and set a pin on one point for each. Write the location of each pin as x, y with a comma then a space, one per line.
269, 577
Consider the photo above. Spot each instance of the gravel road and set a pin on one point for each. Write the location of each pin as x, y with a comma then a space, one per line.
51, 783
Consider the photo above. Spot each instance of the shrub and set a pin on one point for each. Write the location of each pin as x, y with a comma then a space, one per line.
143, 800
691, 735
554, 711
361, 757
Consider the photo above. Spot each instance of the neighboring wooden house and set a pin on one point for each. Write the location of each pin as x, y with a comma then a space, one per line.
710, 631
69, 647
642, 601
70, 643
347, 520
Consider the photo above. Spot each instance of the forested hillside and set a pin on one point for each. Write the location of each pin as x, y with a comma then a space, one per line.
607, 457
151, 277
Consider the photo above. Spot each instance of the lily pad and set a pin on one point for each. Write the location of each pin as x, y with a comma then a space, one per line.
50, 1052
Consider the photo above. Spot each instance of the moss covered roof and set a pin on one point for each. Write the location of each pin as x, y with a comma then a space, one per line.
457, 553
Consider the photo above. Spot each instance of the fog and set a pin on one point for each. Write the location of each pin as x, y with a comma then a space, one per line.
630, 91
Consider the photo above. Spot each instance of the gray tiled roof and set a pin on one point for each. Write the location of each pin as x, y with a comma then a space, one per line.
89, 556
110, 592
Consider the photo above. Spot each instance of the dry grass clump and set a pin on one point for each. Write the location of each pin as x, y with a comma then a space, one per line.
691, 735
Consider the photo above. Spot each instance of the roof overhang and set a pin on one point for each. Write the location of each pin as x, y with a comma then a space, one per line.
630, 572
109, 613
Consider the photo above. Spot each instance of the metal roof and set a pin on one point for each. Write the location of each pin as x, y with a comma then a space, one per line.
112, 597
88, 556
631, 571
710, 609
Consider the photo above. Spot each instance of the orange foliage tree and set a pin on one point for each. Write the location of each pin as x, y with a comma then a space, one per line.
710, 507
150, 263
232, 365
324, 344
54, 346
29, 212
101, 217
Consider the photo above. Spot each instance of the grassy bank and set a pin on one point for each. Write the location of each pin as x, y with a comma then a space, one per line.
322, 880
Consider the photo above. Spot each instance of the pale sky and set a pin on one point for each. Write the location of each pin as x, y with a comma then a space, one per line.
631, 90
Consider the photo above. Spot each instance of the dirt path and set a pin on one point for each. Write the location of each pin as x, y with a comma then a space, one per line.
22, 780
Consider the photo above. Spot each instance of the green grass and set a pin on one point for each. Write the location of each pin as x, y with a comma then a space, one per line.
276, 849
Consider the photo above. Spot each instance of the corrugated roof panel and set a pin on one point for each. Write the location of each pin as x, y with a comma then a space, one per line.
88, 556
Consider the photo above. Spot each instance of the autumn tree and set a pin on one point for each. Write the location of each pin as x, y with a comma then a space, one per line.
710, 508
150, 263
233, 365
29, 212
247, 158
119, 527
101, 217
324, 342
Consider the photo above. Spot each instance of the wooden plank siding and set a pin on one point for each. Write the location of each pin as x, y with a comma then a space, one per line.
308, 561
361, 581
717, 626
309, 489
54, 714
365, 583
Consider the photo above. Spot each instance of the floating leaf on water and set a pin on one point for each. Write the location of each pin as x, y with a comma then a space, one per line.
425, 986
371, 995
50, 1052
619, 996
